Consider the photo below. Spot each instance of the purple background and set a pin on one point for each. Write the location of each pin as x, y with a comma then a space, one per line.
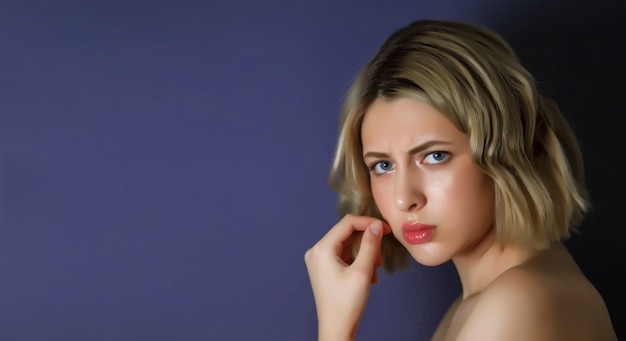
164, 163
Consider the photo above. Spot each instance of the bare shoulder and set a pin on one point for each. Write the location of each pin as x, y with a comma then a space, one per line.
533, 303
446, 321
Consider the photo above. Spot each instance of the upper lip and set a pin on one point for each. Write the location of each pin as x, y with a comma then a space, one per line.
415, 226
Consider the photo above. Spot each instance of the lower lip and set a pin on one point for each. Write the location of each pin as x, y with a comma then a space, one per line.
419, 236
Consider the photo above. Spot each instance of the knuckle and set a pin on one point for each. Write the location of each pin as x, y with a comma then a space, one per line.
311, 254
348, 216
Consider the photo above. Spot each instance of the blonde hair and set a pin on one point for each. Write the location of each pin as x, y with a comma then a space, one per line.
517, 137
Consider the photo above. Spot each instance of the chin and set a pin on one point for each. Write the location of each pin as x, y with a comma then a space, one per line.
428, 256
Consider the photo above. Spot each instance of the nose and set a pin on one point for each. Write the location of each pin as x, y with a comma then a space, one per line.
408, 193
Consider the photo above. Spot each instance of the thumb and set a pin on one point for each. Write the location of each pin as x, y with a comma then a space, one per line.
369, 250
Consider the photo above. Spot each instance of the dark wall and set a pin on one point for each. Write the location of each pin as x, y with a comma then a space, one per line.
164, 163
577, 53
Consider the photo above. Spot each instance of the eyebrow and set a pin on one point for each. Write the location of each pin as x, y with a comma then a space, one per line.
413, 151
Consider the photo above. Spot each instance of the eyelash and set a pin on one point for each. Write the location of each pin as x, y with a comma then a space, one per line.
446, 156
376, 164
373, 167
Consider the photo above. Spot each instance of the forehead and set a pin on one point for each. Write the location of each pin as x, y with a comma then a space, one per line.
405, 122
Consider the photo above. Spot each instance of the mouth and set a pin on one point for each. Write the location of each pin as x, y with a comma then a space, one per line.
418, 233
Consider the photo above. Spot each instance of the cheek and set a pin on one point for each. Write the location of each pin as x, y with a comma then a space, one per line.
382, 197
475, 192
445, 189
462, 189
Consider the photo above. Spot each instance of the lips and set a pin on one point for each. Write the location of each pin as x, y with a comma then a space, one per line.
417, 233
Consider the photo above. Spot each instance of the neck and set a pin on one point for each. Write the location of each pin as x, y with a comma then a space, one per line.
483, 262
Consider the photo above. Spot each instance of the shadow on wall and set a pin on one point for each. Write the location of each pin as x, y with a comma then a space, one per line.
577, 54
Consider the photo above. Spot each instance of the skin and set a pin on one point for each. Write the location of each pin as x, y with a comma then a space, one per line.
421, 170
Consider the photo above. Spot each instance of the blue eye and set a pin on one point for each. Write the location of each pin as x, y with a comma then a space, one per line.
381, 167
436, 157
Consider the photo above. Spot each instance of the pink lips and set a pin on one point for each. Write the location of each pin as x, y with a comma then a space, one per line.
417, 233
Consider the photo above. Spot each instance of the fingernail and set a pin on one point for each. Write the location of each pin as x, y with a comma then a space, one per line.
376, 228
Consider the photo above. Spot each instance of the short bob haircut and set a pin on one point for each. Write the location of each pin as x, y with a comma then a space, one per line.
517, 137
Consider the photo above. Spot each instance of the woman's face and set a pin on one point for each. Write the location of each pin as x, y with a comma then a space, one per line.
438, 202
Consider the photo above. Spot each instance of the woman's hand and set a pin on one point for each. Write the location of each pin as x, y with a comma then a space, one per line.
341, 282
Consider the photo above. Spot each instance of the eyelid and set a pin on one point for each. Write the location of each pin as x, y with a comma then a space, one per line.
372, 167
427, 154
373, 163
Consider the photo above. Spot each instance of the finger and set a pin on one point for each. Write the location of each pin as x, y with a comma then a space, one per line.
379, 260
378, 264
347, 225
355, 240
356, 243
338, 236
369, 252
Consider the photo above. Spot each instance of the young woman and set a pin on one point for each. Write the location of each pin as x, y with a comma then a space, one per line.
447, 152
